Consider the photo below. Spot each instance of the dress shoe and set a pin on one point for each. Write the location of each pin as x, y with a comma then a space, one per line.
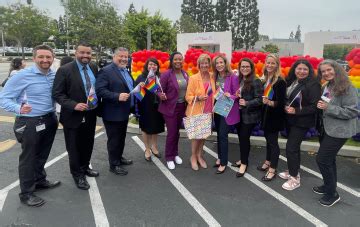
118, 170
82, 183
238, 174
235, 165
216, 165
32, 200
263, 167
158, 155
267, 178
91, 173
147, 158
202, 163
124, 161
46, 185
220, 172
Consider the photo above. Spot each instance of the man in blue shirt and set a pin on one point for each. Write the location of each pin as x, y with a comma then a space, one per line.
113, 85
28, 95
74, 83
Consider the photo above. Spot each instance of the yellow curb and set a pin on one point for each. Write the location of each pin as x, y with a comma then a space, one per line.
7, 119
7, 144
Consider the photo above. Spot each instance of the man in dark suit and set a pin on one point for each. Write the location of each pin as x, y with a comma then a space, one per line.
113, 86
73, 84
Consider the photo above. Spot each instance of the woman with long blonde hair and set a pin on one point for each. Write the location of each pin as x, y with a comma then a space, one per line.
199, 83
273, 114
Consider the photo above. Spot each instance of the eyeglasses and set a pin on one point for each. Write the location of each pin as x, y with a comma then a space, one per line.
245, 67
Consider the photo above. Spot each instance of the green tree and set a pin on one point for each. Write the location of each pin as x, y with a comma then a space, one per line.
26, 24
132, 8
201, 11
163, 34
221, 22
95, 22
337, 51
186, 25
271, 48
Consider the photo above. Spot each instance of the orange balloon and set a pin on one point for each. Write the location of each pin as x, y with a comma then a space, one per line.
351, 63
356, 66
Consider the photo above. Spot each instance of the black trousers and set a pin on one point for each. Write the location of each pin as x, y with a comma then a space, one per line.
295, 137
326, 160
79, 145
116, 133
222, 130
272, 148
36, 146
244, 133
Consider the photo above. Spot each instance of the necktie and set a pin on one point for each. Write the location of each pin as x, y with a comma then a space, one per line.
87, 78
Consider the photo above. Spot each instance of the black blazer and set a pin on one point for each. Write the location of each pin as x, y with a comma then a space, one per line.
305, 116
109, 84
251, 113
68, 91
273, 118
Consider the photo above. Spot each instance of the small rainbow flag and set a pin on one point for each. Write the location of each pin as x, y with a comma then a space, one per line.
140, 94
92, 99
269, 92
218, 93
152, 86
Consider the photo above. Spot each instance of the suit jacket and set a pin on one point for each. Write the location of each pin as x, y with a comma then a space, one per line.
341, 117
273, 118
232, 85
305, 116
171, 89
251, 113
109, 84
196, 88
68, 91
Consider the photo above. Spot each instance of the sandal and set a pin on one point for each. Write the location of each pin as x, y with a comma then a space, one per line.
263, 167
158, 155
266, 178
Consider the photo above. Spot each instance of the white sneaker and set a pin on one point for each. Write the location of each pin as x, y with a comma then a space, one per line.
170, 164
178, 160
286, 176
291, 184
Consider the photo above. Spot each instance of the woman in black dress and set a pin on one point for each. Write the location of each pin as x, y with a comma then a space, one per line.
151, 121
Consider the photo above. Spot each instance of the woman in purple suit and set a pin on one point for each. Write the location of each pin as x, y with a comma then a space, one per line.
172, 106
229, 84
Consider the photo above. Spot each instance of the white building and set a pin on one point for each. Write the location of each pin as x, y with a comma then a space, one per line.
210, 41
287, 47
315, 41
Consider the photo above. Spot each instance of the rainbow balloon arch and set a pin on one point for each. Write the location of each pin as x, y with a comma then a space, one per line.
139, 59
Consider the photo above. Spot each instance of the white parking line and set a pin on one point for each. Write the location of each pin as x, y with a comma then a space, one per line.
97, 204
300, 211
5, 191
198, 207
340, 185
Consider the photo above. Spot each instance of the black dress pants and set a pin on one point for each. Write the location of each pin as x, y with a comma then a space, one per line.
326, 160
222, 130
295, 137
116, 133
272, 148
244, 134
79, 145
36, 146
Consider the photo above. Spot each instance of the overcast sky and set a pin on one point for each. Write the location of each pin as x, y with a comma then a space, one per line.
277, 17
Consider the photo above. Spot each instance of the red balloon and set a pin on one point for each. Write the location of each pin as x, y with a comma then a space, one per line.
356, 59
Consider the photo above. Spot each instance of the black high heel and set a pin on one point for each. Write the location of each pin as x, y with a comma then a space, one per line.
266, 178
235, 165
238, 174
260, 168
220, 172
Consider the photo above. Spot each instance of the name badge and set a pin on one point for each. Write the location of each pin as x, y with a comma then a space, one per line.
40, 127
